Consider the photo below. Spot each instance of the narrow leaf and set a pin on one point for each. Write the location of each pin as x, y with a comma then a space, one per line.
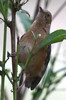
54, 37
25, 20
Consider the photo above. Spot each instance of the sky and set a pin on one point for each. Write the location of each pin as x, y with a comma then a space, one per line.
58, 23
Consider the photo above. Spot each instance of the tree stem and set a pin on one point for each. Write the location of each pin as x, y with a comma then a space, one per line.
3, 66
14, 68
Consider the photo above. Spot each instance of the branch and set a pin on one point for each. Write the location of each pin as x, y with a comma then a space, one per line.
23, 3
8, 23
0, 72
59, 10
37, 7
8, 77
1, 63
46, 3
14, 68
12, 2
2, 19
24, 11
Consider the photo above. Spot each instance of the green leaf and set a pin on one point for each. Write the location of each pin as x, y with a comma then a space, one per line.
4, 7
46, 78
54, 37
60, 70
37, 93
25, 20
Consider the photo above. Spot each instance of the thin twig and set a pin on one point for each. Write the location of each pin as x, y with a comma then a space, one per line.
60, 89
46, 3
0, 72
23, 3
37, 8
1, 63
59, 10
8, 23
18, 1
12, 2
24, 11
2, 19
8, 77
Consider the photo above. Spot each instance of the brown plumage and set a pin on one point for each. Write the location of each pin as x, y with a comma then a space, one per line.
38, 63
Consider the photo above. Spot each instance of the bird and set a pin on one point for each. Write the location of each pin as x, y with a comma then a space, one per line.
28, 44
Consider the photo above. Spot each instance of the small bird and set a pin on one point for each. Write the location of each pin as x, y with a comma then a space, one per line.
29, 43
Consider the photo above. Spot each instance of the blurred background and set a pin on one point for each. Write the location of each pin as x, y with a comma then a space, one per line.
54, 80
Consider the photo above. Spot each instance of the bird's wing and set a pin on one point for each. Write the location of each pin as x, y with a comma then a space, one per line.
37, 79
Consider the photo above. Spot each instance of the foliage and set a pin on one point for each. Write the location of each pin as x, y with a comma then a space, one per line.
25, 20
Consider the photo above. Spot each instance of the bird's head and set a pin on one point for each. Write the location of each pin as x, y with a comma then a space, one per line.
44, 16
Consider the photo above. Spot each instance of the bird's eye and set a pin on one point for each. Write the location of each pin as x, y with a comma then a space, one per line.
48, 15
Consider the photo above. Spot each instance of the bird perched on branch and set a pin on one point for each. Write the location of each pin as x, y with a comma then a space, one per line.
35, 64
